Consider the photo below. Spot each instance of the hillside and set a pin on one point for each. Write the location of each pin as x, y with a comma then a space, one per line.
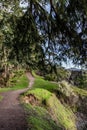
61, 103
49, 105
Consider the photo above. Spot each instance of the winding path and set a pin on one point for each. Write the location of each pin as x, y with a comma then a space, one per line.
12, 115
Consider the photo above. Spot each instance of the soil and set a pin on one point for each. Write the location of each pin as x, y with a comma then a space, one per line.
12, 114
31, 99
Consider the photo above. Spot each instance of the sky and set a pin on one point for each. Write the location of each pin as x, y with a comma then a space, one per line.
24, 4
69, 64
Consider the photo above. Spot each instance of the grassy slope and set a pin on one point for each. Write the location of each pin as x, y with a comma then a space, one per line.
67, 89
39, 119
79, 91
43, 91
61, 114
41, 83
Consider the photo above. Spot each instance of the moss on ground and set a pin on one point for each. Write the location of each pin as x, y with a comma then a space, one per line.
39, 119
79, 91
40, 94
62, 115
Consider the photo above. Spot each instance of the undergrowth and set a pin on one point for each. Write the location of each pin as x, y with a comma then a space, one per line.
18, 81
79, 91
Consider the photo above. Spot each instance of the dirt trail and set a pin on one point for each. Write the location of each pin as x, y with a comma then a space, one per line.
12, 115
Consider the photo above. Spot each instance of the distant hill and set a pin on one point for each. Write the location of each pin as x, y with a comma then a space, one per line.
74, 69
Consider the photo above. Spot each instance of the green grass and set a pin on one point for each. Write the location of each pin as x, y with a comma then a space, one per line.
67, 89
19, 82
79, 91
4, 89
41, 83
44, 91
61, 114
41, 94
39, 119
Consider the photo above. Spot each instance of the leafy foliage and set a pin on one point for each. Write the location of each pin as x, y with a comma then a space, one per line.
79, 78
42, 33
45, 31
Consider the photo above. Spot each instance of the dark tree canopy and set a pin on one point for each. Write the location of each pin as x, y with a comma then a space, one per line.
47, 31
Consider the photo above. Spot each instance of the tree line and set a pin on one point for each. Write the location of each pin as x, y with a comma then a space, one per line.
42, 33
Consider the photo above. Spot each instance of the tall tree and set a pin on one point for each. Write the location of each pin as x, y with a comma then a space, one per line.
9, 13
51, 31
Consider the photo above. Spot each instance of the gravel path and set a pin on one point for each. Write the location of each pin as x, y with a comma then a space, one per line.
12, 115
